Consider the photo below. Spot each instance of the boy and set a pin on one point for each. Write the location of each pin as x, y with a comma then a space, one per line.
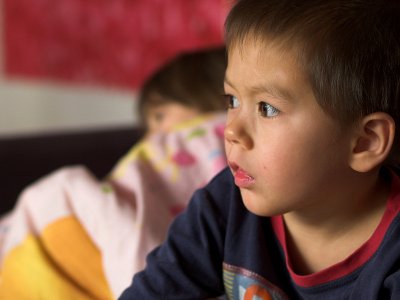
187, 86
310, 206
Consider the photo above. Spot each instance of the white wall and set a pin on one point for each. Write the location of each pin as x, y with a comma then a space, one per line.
31, 108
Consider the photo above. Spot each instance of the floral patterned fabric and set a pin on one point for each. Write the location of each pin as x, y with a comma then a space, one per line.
72, 236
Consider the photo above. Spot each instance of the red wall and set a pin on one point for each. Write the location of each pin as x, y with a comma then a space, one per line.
104, 42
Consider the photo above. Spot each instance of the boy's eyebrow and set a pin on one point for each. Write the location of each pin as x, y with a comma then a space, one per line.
270, 89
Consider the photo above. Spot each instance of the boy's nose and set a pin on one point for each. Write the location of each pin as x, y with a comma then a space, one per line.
236, 133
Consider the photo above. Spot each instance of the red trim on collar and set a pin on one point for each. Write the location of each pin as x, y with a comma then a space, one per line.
358, 257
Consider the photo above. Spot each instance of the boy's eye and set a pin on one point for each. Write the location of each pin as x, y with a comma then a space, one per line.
232, 101
267, 110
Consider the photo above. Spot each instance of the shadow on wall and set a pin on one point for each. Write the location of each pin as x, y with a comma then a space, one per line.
99, 151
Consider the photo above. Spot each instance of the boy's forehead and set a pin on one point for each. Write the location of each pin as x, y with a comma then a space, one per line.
260, 47
261, 54
266, 68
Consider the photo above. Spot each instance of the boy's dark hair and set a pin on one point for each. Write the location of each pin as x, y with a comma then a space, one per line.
349, 50
194, 79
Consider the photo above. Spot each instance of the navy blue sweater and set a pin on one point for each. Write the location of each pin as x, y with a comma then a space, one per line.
217, 247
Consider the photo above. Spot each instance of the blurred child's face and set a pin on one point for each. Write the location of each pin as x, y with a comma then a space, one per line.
163, 117
286, 154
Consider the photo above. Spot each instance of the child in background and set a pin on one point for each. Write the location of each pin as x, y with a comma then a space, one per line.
71, 236
309, 207
187, 86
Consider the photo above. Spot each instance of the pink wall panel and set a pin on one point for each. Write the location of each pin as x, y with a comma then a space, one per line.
104, 42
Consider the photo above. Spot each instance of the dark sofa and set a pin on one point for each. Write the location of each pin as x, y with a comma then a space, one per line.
25, 159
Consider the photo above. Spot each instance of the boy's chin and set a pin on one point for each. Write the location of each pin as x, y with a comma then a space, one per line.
255, 206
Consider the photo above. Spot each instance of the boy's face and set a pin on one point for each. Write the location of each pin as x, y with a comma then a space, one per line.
286, 154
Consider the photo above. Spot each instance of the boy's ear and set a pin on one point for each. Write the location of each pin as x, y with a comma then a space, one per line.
372, 142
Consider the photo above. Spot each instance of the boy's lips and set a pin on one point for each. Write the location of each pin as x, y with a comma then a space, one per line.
242, 178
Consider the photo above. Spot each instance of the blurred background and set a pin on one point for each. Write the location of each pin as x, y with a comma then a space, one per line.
76, 64
69, 75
